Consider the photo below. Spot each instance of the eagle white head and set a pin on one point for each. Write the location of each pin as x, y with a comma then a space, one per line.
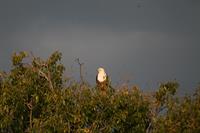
101, 76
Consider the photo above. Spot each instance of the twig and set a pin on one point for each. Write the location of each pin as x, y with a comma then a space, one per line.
80, 70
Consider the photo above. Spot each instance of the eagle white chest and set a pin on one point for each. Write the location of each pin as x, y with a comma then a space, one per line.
101, 77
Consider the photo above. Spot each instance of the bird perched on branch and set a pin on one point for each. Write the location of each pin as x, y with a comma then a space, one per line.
102, 80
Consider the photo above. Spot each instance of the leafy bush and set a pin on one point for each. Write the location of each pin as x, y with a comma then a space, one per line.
35, 97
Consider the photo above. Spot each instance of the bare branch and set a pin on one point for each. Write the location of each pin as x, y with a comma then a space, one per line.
80, 70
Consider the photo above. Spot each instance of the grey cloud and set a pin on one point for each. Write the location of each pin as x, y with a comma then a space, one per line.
155, 15
155, 41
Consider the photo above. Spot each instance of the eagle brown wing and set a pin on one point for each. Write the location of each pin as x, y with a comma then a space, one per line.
103, 86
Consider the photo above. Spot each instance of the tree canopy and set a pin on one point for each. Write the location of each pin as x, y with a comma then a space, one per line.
36, 97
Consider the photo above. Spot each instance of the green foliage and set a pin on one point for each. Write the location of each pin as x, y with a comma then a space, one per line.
182, 115
34, 97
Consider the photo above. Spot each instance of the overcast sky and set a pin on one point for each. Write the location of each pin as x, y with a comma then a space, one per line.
144, 41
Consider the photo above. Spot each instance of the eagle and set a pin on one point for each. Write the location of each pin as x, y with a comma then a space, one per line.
102, 80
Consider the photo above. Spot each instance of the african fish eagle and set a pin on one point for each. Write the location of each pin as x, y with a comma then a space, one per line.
102, 79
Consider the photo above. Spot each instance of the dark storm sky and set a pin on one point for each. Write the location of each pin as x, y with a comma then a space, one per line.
145, 41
